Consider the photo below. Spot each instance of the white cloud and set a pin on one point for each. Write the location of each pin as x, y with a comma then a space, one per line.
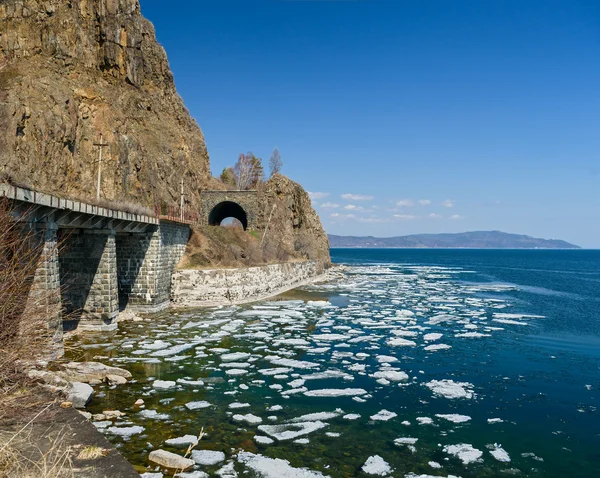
356, 197
352, 207
434, 216
456, 216
331, 205
424, 202
405, 203
343, 216
404, 216
448, 203
315, 195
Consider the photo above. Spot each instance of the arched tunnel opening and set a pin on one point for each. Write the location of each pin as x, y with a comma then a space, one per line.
227, 209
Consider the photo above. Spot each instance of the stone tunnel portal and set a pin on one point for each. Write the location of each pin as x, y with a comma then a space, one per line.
227, 209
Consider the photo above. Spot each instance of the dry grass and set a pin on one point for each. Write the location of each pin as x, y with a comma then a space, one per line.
24, 314
26, 457
91, 452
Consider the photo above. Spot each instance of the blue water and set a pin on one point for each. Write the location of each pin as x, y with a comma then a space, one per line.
522, 339
549, 363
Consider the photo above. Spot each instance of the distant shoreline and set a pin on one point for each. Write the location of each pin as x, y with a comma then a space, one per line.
471, 248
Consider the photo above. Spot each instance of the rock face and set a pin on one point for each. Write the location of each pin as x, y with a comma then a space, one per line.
72, 69
294, 224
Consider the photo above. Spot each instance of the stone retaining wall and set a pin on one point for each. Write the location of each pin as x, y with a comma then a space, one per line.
202, 288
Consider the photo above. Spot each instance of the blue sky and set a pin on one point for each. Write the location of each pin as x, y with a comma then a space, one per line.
404, 117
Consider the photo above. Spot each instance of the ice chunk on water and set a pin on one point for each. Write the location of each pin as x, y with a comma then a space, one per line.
164, 384
384, 415
208, 457
336, 392
451, 389
274, 467
248, 418
375, 465
391, 375
499, 453
290, 431
464, 452
125, 431
454, 417
183, 441
197, 405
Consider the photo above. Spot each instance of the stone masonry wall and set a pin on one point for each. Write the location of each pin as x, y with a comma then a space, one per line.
145, 263
45, 291
201, 288
88, 269
248, 200
174, 238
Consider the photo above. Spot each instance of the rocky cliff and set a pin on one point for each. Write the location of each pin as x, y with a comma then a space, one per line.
291, 222
73, 69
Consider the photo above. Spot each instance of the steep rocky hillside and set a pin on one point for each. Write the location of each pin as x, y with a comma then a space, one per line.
294, 225
72, 69
288, 229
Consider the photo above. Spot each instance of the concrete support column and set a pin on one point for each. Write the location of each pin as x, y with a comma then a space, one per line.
44, 296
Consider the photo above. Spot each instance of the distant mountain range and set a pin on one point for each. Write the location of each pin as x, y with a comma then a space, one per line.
475, 240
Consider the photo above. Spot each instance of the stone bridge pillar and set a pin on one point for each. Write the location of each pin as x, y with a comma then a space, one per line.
44, 297
88, 265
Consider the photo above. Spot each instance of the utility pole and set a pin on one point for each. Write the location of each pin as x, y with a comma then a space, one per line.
181, 204
100, 145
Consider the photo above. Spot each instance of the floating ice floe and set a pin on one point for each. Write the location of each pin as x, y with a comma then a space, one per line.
315, 416
375, 465
384, 415
495, 420
391, 375
351, 416
153, 414
234, 356
400, 342
183, 441
194, 383
451, 389
424, 420
235, 405
125, 431
197, 405
248, 418
464, 452
291, 431
164, 384
336, 392
405, 441
262, 440
274, 467
435, 347
432, 337
499, 453
454, 417
207, 457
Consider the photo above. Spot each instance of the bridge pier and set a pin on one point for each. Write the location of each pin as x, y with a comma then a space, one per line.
88, 269
44, 296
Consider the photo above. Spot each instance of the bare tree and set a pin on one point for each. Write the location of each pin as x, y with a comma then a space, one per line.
248, 171
275, 162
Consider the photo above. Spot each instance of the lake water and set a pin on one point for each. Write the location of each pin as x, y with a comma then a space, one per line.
415, 362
